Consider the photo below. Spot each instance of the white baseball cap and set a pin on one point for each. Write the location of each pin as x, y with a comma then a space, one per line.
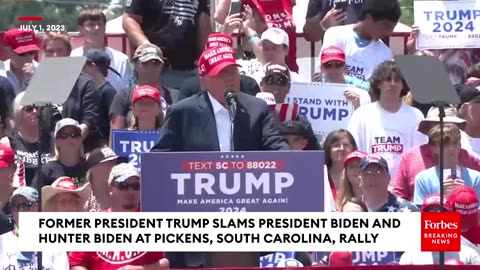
276, 36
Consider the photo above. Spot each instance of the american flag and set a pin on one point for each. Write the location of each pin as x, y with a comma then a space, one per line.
285, 111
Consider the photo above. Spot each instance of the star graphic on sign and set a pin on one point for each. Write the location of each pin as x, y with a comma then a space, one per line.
242, 156
391, 208
221, 156
405, 209
226, 156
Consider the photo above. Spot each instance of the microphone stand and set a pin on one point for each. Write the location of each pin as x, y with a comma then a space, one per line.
441, 115
231, 99
44, 121
232, 113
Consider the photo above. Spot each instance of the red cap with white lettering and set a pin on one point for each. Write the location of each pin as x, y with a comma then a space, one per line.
465, 200
21, 40
145, 91
357, 154
332, 53
214, 60
219, 39
432, 203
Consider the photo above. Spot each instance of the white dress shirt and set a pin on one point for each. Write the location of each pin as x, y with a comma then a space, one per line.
222, 121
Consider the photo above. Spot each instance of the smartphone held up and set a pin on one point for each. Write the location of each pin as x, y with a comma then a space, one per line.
235, 8
341, 5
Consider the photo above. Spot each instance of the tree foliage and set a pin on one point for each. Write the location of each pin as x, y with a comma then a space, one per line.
407, 12
56, 12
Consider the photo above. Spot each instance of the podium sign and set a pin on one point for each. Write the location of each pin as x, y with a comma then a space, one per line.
270, 181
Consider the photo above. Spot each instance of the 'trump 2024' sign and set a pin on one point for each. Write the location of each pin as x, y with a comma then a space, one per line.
131, 144
272, 181
447, 24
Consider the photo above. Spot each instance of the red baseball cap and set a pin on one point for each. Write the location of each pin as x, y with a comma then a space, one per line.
332, 53
465, 200
432, 202
7, 156
354, 155
340, 258
219, 39
214, 60
21, 41
142, 91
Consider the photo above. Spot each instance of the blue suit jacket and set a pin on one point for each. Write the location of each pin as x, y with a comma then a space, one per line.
190, 126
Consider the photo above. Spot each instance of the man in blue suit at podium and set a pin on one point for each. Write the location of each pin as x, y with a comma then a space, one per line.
202, 123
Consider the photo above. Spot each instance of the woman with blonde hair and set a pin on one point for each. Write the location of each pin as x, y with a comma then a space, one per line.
349, 184
147, 108
56, 44
24, 141
69, 158
64, 196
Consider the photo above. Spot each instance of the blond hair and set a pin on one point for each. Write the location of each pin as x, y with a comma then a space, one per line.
62, 36
17, 108
344, 192
134, 122
451, 134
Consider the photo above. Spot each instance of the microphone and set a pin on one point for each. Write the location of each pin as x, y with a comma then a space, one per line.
232, 100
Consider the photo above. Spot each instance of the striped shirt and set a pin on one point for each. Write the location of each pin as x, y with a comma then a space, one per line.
420, 158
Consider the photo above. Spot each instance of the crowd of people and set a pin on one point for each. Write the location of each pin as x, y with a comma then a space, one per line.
385, 160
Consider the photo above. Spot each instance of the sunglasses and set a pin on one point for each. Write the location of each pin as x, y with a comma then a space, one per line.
273, 80
374, 172
25, 54
28, 109
64, 136
335, 64
127, 186
22, 206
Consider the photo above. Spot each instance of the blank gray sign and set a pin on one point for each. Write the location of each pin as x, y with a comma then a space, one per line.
53, 80
427, 79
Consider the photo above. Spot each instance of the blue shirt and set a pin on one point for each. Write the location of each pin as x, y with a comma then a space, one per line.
361, 84
427, 182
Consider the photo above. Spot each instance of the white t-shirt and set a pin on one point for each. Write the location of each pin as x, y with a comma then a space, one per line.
361, 61
119, 62
364, 97
387, 134
470, 144
13, 259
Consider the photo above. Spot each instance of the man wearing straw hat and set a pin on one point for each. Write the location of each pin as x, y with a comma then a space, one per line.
64, 196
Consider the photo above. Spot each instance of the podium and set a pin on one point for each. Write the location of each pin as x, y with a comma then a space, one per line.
169, 196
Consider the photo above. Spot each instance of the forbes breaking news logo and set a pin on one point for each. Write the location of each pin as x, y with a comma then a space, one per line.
441, 231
